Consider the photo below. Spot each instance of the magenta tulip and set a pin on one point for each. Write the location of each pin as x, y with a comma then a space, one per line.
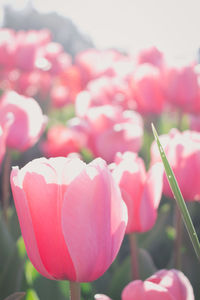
183, 152
71, 215
141, 191
164, 284
28, 122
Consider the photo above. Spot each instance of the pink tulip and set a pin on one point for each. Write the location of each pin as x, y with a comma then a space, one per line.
62, 140
183, 152
182, 87
152, 56
4, 127
58, 60
28, 121
7, 48
110, 130
71, 215
105, 90
164, 284
2, 145
147, 89
60, 96
94, 63
141, 191
194, 121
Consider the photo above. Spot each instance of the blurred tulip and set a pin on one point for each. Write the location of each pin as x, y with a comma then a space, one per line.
4, 127
28, 122
60, 96
194, 122
183, 152
152, 56
7, 48
71, 215
164, 284
147, 89
111, 130
141, 191
105, 90
59, 60
2, 145
62, 140
94, 63
182, 88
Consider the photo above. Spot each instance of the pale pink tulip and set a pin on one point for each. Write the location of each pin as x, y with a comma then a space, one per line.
141, 191
71, 215
164, 284
183, 152
28, 122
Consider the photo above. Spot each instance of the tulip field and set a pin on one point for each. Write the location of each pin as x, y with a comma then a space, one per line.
86, 210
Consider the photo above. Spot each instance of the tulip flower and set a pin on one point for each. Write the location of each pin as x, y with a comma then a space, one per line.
62, 140
147, 89
140, 190
105, 90
183, 153
182, 87
164, 284
2, 145
94, 63
71, 215
152, 56
110, 130
28, 123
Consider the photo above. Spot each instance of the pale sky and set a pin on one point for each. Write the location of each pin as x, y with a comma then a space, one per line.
171, 25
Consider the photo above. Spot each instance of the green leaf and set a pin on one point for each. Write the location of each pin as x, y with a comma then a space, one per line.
178, 197
16, 296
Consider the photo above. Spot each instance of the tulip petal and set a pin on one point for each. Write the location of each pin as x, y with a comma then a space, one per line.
26, 224
151, 196
138, 290
175, 282
95, 222
44, 185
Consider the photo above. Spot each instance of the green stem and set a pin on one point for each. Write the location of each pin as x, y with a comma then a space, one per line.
75, 291
178, 240
179, 198
134, 256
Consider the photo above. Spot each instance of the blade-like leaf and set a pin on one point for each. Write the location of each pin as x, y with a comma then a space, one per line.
16, 296
178, 196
